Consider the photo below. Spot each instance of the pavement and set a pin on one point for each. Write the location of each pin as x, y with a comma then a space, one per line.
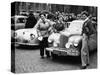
28, 60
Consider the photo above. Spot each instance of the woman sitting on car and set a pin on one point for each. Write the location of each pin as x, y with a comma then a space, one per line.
55, 36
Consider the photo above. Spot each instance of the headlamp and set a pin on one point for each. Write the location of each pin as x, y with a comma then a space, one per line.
40, 38
49, 41
67, 45
32, 36
55, 44
75, 44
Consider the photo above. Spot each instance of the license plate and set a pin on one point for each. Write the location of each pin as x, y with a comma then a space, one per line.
57, 52
60, 53
64, 53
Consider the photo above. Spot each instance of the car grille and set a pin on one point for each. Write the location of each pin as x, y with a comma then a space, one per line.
61, 51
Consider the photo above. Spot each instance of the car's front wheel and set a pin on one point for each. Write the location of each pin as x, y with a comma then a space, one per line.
54, 56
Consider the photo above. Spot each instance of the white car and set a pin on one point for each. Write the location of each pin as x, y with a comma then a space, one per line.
69, 41
26, 37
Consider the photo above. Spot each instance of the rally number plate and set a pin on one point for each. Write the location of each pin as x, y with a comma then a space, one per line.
60, 53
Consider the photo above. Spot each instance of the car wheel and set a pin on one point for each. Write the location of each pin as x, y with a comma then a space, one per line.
53, 56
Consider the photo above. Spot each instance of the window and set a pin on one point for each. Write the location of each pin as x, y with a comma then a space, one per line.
21, 20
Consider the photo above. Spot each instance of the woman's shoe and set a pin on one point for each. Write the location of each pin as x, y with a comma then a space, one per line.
87, 64
48, 56
42, 57
83, 67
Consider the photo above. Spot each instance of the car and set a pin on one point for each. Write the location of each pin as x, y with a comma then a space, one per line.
24, 13
28, 37
18, 22
69, 41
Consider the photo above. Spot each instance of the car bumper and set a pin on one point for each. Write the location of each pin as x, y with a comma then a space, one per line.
64, 51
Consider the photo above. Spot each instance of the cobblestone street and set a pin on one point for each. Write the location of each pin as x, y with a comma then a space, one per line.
28, 60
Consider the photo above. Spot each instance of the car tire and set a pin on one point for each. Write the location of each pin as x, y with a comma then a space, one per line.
53, 56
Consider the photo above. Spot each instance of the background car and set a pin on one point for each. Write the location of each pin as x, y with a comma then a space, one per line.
26, 37
18, 22
24, 13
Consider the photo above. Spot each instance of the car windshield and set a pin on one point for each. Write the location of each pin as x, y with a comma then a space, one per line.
76, 26
21, 20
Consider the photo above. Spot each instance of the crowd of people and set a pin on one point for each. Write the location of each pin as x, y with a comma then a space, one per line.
58, 17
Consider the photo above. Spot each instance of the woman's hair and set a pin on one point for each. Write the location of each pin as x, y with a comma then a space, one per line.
58, 26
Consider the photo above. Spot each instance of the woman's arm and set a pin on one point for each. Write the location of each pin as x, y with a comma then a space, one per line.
51, 23
37, 24
37, 27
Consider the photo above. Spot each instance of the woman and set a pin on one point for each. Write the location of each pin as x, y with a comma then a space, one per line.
43, 27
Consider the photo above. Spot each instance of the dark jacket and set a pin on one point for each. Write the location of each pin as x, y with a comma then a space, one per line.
88, 28
31, 21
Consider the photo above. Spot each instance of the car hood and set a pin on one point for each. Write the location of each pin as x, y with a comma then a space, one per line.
74, 28
73, 40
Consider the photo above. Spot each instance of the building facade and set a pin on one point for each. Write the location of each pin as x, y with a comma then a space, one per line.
18, 7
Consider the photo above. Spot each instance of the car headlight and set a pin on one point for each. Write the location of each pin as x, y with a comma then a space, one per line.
49, 41
40, 38
55, 44
32, 36
76, 44
67, 45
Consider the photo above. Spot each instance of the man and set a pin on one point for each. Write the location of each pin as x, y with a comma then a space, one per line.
78, 16
88, 29
84, 49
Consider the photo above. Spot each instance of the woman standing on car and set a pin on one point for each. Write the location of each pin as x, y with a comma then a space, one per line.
43, 27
